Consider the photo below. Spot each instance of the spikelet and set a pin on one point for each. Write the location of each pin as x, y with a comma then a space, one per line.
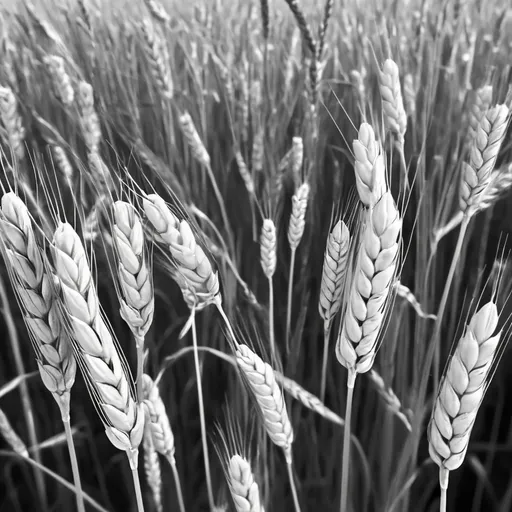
500, 183
91, 130
60, 79
307, 399
303, 25
134, 274
462, 389
268, 247
194, 141
34, 287
298, 216
392, 102
333, 273
158, 11
481, 104
296, 159
11, 437
244, 490
156, 51
371, 287
261, 380
195, 275
244, 172
12, 122
477, 173
152, 469
105, 373
369, 166
158, 424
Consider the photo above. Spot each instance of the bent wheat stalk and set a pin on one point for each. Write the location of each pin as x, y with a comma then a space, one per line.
465, 381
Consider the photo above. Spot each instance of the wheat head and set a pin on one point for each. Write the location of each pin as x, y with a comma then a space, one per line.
12, 122
410, 94
60, 79
244, 172
258, 151
134, 274
262, 382
298, 216
91, 130
371, 287
369, 166
296, 159
152, 469
63, 164
303, 25
268, 248
106, 375
462, 389
158, 11
35, 288
333, 273
194, 141
195, 275
244, 490
477, 173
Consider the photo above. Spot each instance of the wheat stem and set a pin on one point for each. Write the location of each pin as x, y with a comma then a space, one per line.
25, 397
325, 358
346, 441
177, 483
74, 465
292, 486
139, 344
289, 302
271, 316
201, 416
443, 482
448, 227
136, 485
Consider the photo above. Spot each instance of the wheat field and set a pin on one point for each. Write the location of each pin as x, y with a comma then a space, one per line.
255, 255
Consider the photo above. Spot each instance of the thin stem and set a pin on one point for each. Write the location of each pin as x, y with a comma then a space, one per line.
443, 484
201, 417
292, 486
138, 492
404, 178
323, 382
177, 483
289, 306
139, 343
74, 466
444, 300
228, 324
346, 441
448, 227
25, 397
222, 206
271, 317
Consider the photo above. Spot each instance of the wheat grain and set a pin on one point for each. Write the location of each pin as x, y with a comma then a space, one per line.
11, 437
194, 141
261, 380
60, 79
369, 166
34, 287
268, 247
244, 490
392, 102
196, 278
298, 216
307, 399
152, 469
158, 57
91, 130
134, 274
101, 365
462, 389
477, 173
371, 287
333, 273
12, 122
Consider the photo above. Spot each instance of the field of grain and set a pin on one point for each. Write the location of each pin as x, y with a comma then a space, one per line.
255, 256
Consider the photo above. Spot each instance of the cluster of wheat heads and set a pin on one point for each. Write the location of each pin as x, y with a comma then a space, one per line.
281, 194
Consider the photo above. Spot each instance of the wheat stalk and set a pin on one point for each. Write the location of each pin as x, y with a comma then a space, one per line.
152, 470
91, 130
12, 122
477, 173
60, 79
11, 437
244, 490
465, 381
158, 57
369, 166
332, 284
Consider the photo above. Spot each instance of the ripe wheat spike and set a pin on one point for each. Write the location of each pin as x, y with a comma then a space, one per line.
298, 216
60, 79
13, 124
244, 490
268, 247
91, 130
152, 469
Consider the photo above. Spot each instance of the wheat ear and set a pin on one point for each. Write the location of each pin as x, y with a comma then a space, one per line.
323, 27
303, 25
410, 94
158, 11
158, 57
60, 79
12, 122
331, 288
297, 159
369, 166
461, 392
160, 430
244, 172
268, 259
258, 151
244, 490
63, 164
134, 277
90, 124
152, 469
35, 289
476, 174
